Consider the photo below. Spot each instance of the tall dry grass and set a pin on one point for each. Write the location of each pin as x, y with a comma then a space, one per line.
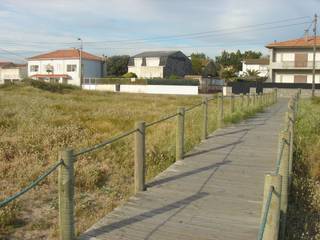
304, 198
36, 124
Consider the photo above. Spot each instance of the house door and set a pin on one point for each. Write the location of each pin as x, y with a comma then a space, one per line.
300, 78
301, 60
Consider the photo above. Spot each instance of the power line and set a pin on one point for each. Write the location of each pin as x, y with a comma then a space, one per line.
172, 37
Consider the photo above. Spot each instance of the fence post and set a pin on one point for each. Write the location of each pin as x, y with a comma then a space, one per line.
205, 118
241, 101
180, 134
221, 110
271, 230
139, 157
248, 101
66, 195
284, 172
276, 95
232, 104
291, 122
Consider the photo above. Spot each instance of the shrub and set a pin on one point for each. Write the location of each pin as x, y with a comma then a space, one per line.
51, 87
173, 77
129, 75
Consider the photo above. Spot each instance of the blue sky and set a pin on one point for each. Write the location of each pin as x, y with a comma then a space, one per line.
29, 27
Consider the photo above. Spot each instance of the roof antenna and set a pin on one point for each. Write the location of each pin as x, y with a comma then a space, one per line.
306, 35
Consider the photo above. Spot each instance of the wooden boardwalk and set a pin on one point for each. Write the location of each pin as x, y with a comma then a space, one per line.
214, 193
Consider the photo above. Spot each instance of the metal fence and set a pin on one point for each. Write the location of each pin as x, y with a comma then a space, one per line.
68, 157
277, 184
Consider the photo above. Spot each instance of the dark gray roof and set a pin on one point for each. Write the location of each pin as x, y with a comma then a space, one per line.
155, 54
163, 55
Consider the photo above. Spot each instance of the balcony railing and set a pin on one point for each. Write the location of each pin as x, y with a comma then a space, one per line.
295, 65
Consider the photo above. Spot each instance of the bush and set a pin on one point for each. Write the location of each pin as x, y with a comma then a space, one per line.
173, 77
129, 75
51, 87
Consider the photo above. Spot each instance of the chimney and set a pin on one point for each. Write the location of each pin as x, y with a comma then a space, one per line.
306, 35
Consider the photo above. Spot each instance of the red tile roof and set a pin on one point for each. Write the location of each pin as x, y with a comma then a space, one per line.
3, 64
66, 54
299, 42
11, 65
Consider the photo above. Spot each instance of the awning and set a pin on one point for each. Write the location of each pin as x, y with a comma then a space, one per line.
66, 76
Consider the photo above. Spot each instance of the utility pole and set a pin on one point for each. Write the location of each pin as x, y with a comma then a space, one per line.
314, 55
80, 64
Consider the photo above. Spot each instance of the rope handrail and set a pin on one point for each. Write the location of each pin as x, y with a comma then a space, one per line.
193, 107
161, 120
265, 213
31, 185
107, 142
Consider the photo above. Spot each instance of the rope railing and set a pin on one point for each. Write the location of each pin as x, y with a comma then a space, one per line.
32, 185
68, 157
107, 142
265, 213
273, 223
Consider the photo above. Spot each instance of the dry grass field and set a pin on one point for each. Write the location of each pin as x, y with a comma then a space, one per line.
35, 124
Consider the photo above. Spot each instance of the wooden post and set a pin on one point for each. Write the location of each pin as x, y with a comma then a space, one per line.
248, 101
66, 195
180, 134
139, 157
241, 101
271, 230
284, 172
276, 95
221, 110
254, 100
291, 122
231, 104
205, 118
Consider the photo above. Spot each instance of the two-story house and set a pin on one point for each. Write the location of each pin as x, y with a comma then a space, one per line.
12, 72
160, 64
292, 61
63, 66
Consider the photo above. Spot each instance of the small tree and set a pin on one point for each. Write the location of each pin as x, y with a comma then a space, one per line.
129, 75
252, 74
227, 73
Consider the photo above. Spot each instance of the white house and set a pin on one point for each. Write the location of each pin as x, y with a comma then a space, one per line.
12, 72
261, 65
291, 61
160, 64
63, 66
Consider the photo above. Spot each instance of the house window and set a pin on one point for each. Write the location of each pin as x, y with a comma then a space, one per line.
137, 62
71, 67
34, 68
152, 61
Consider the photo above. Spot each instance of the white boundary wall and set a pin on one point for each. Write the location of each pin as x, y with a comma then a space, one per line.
153, 89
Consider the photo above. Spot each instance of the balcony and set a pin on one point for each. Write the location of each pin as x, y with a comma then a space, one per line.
294, 65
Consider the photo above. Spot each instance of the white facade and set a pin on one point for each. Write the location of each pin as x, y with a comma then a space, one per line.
293, 65
64, 70
12, 74
151, 70
262, 68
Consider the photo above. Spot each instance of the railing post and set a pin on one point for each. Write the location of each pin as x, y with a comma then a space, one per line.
271, 229
276, 95
231, 104
139, 157
248, 101
66, 195
205, 118
241, 101
221, 110
291, 122
284, 172
180, 134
